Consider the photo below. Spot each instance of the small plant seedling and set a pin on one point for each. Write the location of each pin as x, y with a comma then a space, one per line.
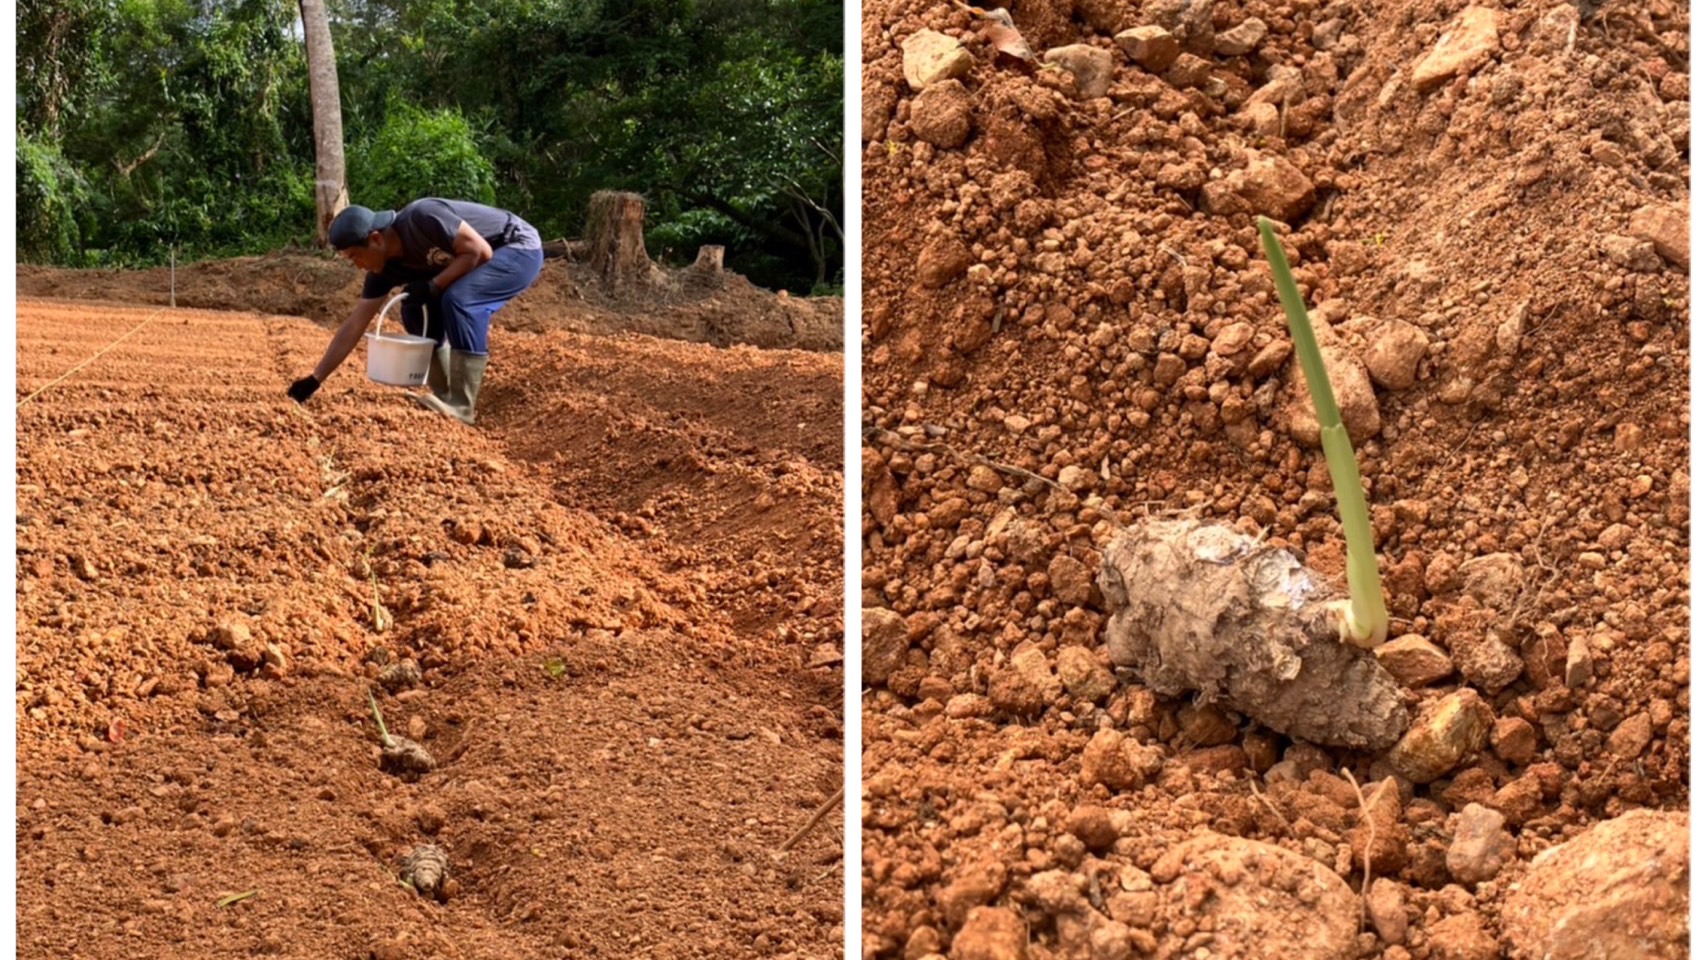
1364, 621
399, 755
381, 616
227, 901
384, 736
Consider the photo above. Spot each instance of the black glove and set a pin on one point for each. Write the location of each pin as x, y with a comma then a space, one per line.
421, 291
301, 390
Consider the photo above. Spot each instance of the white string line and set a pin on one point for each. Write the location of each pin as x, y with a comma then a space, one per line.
55, 381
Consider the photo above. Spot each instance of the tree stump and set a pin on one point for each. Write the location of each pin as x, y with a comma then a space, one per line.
616, 237
710, 259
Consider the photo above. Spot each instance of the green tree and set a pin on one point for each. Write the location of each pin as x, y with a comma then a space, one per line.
420, 153
50, 192
61, 60
188, 123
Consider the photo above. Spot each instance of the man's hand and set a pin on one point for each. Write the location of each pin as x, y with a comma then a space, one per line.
301, 390
422, 291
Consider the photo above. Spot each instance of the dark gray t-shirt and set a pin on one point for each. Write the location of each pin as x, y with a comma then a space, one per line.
427, 228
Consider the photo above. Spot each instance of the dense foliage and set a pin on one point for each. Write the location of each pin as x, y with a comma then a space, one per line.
145, 125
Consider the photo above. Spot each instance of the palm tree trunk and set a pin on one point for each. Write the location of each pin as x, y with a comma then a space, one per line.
331, 194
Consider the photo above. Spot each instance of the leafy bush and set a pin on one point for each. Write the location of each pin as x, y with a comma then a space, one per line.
49, 194
677, 237
420, 153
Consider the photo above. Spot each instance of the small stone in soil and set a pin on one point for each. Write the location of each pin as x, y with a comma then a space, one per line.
1480, 845
1084, 677
1463, 45
1579, 663
1461, 937
1667, 228
1256, 900
1414, 661
990, 933
1387, 910
928, 57
1448, 730
1631, 736
1092, 67
1514, 740
1488, 663
1495, 579
1242, 39
1393, 352
1152, 47
1117, 761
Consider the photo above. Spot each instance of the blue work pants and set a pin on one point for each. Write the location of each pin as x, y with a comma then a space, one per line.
463, 313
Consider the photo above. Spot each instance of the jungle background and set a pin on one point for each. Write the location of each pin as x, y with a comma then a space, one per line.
156, 129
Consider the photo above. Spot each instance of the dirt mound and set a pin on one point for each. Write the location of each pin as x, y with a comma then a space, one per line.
1069, 325
721, 309
629, 707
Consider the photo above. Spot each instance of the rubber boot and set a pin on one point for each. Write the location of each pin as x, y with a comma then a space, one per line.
438, 377
466, 371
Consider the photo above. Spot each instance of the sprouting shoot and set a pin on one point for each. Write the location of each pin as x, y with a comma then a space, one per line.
1365, 622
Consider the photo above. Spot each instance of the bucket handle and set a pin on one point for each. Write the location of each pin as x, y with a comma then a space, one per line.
379, 318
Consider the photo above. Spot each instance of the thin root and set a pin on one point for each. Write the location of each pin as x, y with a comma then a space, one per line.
1266, 802
1368, 842
822, 812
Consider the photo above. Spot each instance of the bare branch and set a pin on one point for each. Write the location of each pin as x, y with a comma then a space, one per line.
126, 169
799, 193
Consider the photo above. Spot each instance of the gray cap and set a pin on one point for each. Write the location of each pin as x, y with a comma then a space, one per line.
351, 227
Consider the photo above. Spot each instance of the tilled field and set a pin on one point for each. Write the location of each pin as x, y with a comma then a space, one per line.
610, 615
1069, 327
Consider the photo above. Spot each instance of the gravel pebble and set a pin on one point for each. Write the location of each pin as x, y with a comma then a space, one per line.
990, 933
1447, 731
1083, 676
1465, 44
929, 57
1152, 47
1092, 67
1480, 845
1414, 661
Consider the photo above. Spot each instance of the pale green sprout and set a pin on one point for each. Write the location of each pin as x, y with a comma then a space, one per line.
1364, 621
384, 735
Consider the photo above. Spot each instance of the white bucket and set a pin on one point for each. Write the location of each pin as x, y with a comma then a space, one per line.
397, 359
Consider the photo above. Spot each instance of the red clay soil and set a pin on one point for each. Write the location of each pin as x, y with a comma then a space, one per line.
721, 309
1069, 324
622, 592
